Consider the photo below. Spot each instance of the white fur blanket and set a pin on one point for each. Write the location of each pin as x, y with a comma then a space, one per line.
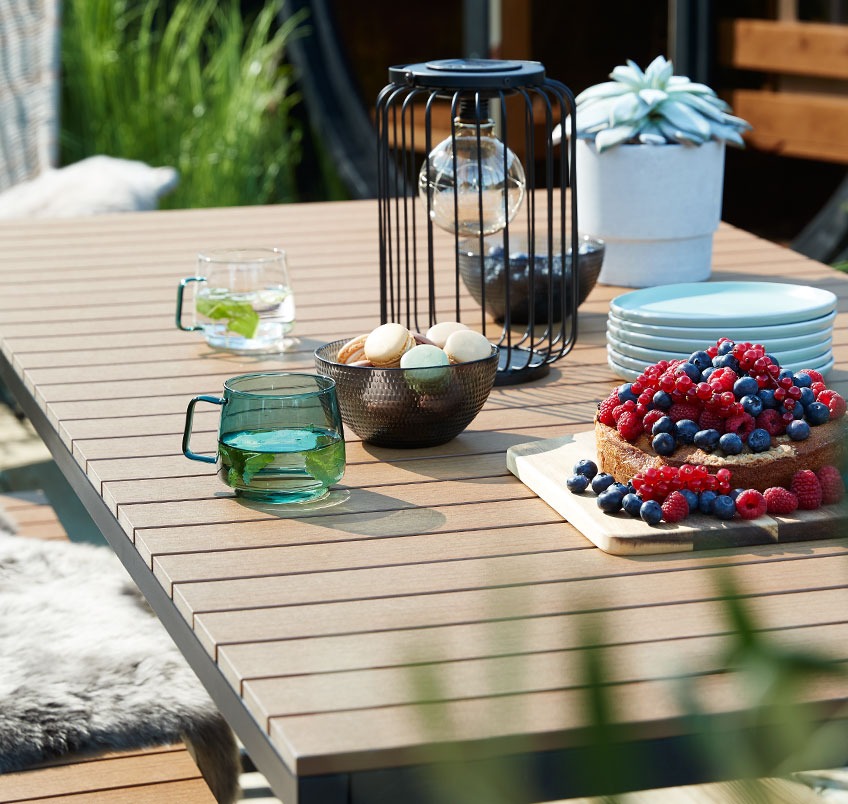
92, 186
84, 665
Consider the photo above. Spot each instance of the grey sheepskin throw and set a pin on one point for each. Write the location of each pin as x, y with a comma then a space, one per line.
85, 665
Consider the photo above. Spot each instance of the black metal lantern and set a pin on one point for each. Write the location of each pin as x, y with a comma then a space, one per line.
509, 229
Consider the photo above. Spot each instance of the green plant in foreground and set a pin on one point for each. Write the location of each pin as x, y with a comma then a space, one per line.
189, 83
654, 107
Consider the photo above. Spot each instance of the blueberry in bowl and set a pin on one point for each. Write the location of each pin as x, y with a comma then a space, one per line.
492, 276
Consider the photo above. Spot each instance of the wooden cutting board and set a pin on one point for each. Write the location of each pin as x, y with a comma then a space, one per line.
544, 465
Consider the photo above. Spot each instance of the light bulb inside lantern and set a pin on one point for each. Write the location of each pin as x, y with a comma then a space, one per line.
479, 179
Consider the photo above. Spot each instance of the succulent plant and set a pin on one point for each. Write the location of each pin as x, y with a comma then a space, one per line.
654, 107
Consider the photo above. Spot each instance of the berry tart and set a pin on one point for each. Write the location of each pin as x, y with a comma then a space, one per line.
729, 408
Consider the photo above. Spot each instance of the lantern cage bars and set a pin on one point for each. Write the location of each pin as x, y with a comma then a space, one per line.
527, 306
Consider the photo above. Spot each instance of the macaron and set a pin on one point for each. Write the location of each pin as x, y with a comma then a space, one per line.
465, 345
427, 367
386, 344
440, 332
352, 351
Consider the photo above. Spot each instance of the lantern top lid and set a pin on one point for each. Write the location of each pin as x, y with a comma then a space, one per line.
482, 74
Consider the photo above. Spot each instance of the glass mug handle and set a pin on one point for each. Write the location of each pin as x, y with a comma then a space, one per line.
179, 315
187, 429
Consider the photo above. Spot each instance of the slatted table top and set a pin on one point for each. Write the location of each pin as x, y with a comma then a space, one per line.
440, 611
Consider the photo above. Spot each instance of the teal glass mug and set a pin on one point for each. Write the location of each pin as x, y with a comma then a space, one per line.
280, 437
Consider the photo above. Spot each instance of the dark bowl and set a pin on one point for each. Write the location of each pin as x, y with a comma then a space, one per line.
397, 407
547, 283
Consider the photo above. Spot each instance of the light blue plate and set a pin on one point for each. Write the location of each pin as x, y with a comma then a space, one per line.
637, 365
624, 332
631, 374
711, 304
784, 356
763, 334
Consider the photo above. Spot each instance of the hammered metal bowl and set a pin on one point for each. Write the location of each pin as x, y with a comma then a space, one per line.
398, 407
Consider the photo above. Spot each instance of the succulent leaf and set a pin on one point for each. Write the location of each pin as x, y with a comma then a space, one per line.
626, 109
654, 106
685, 118
609, 137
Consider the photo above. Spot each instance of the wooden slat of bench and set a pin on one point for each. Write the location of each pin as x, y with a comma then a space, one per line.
161, 774
33, 515
782, 46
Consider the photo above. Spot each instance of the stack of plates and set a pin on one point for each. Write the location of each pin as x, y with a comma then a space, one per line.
669, 322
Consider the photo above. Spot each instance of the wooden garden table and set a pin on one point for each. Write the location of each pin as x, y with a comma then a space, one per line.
434, 620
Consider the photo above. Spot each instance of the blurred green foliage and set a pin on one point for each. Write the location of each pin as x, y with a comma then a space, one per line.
187, 83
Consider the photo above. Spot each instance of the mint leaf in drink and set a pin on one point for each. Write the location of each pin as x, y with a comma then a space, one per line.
242, 466
325, 462
241, 317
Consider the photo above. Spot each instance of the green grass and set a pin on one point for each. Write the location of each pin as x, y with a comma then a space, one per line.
188, 83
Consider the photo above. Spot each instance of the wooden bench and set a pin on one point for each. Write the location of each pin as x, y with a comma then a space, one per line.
155, 775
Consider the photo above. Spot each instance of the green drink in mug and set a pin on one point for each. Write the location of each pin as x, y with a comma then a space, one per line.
280, 438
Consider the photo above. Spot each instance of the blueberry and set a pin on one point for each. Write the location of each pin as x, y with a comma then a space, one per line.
752, 404
664, 424
705, 374
766, 395
730, 444
817, 413
651, 512
662, 400
631, 503
700, 359
586, 467
691, 498
725, 347
807, 396
691, 371
726, 361
625, 393
609, 501
745, 386
798, 430
707, 440
786, 374
724, 506
802, 380
759, 440
686, 430
706, 501
601, 482
624, 488
663, 443
734, 493
577, 484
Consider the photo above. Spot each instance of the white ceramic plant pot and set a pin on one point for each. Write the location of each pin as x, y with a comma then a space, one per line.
655, 206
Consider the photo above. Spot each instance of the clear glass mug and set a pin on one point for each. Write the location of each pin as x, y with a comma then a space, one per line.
243, 300
280, 438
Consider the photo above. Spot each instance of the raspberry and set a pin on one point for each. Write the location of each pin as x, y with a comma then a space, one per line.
675, 507
629, 425
709, 420
806, 487
814, 375
832, 485
684, 410
750, 504
834, 401
771, 421
742, 425
605, 409
780, 500
623, 407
